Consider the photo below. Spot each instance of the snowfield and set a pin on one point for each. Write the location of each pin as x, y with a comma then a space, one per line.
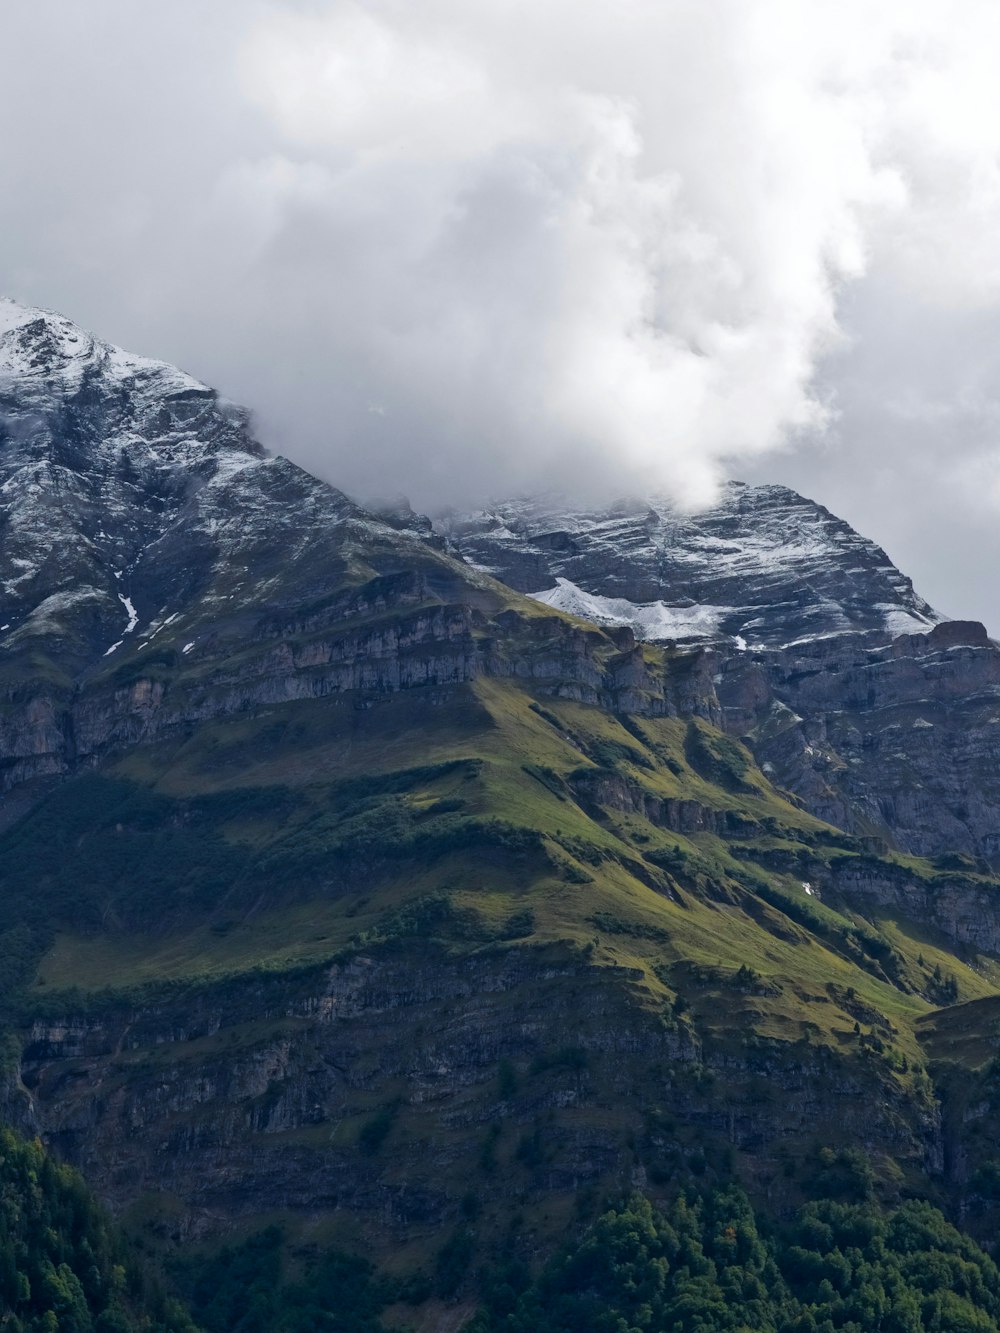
655, 621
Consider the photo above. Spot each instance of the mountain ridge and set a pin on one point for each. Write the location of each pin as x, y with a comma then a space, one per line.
762, 567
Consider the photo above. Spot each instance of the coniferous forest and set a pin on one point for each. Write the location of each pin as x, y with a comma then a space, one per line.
64, 1265
704, 1263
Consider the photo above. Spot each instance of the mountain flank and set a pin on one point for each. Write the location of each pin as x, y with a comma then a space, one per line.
356, 885
877, 712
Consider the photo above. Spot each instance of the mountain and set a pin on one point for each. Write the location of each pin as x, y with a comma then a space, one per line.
141, 522
763, 568
347, 887
851, 691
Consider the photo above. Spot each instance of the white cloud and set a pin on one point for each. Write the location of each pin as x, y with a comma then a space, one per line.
476, 245
597, 246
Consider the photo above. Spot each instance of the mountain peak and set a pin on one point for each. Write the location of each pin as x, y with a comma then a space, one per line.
762, 567
16, 315
136, 505
42, 345
101, 453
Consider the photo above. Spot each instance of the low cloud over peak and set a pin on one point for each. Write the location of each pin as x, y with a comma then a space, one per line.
475, 246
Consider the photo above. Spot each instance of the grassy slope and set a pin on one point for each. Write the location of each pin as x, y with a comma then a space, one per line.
597, 877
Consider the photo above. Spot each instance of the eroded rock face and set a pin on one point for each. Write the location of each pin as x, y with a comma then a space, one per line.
252, 1097
900, 740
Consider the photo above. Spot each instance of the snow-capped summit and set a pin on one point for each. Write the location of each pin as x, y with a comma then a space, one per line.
119, 401
42, 345
129, 492
764, 567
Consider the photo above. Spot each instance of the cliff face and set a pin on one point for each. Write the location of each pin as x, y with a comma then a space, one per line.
378, 642
388, 1090
899, 740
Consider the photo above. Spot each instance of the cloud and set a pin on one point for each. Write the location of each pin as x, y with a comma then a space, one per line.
913, 456
601, 248
473, 246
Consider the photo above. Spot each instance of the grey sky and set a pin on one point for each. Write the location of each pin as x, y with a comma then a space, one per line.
476, 246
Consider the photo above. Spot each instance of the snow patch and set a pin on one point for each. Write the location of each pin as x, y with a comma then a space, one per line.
157, 625
29, 568
650, 620
898, 621
133, 615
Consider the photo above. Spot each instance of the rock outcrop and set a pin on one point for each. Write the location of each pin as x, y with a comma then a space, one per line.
898, 740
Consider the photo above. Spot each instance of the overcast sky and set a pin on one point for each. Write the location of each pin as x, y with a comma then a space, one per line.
469, 247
